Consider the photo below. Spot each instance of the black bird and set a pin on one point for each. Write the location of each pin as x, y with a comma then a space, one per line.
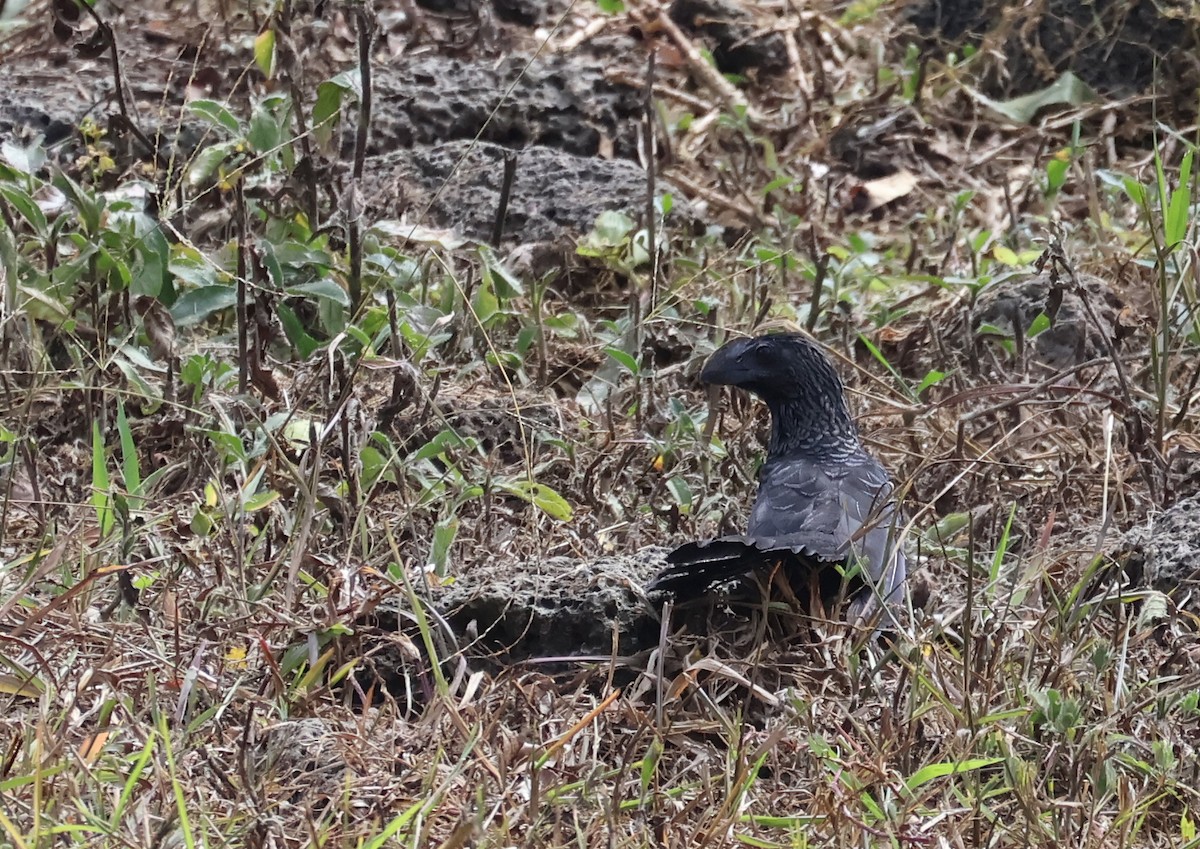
822, 499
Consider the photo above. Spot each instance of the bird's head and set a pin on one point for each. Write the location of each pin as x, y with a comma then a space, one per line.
782, 366
798, 383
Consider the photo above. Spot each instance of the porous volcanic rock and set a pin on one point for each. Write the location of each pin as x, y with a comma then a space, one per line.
526, 12
1012, 305
509, 431
304, 752
554, 194
52, 112
739, 41
530, 12
558, 607
1112, 45
1169, 548
564, 102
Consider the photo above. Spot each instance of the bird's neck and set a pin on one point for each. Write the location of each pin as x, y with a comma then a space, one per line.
818, 428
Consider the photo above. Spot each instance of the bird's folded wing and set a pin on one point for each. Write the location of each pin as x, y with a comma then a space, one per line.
827, 502
817, 513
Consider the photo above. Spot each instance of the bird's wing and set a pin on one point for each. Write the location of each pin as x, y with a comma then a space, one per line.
820, 507
829, 514
841, 512
873, 529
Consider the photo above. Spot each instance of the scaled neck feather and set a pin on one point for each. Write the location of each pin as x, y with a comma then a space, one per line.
815, 424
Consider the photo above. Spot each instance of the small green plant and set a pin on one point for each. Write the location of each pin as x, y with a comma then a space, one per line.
1054, 713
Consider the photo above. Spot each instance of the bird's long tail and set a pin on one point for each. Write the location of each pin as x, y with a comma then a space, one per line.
696, 566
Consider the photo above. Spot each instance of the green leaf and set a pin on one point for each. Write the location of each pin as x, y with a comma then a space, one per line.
443, 537
650, 762
90, 205
883, 361
191, 266
101, 496
197, 305
350, 81
325, 112
485, 304
565, 325
506, 284
130, 467
947, 527
114, 267
217, 114
1039, 325
611, 230
940, 770
1005, 255
40, 305
931, 379
1056, 173
152, 253
1175, 227
27, 207
1067, 89
230, 444
986, 329
1001, 550
295, 331
325, 287
264, 52
1134, 190
266, 130
1155, 608
205, 163
260, 500
329, 103
626, 360
437, 445
681, 492
375, 467
542, 497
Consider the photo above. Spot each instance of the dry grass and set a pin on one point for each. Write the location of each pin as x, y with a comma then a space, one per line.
194, 671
